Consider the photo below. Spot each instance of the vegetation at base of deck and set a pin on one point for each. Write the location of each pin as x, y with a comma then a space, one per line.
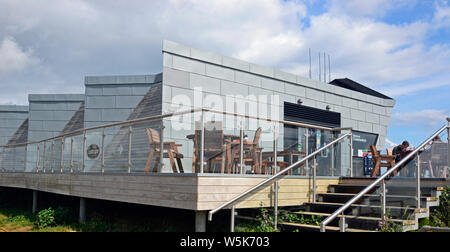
440, 216
264, 222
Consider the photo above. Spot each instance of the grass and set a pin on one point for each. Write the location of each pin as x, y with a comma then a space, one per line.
19, 220
102, 216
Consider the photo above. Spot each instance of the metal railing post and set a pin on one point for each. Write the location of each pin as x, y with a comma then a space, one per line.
3, 158
84, 151
43, 157
332, 155
307, 150
202, 143
351, 154
241, 147
130, 135
63, 140
232, 219
314, 179
38, 156
418, 173
71, 154
103, 150
448, 143
275, 171
25, 158
161, 157
14, 159
342, 225
383, 199
52, 156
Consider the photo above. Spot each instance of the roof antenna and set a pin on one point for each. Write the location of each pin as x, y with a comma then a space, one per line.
324, 69
329, 68
310, 73
320, 69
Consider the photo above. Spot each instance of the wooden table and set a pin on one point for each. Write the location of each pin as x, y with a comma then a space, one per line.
229, 140
287, 153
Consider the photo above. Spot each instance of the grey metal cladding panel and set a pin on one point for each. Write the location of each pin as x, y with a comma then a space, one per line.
207, 84
13, 108
115, 115
109, 90
100, 102
220, 72
127, 101
189, 65
206, 56
123, 79
11, 123
176, 78
236, 63
54, 125
56, 97
55, 106
172, 47
14, 115
51, 115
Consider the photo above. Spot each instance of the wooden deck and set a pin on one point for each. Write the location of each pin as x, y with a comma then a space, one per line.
184, 191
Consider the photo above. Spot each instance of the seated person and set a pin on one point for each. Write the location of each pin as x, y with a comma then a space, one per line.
400, 151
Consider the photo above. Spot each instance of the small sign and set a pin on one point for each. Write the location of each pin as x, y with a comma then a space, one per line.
93, 151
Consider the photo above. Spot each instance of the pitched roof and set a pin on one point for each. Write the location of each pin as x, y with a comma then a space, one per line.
355, 86
21, 135
76, 122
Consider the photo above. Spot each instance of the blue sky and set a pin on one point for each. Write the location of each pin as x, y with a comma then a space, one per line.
398, 47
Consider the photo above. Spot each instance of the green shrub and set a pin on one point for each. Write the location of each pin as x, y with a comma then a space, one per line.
440, 217
45, 218
64, 216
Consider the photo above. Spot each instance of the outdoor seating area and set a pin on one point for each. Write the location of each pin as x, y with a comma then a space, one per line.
221, 152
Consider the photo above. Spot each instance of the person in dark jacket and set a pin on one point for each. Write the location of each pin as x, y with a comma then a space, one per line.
400, 151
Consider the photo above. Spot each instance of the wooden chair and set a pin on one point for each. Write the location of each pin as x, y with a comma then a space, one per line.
381, 161
171, 152
214, 146
252, 154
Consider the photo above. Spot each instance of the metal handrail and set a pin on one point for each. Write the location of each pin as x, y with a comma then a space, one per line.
382, 178
269, 181
304, 125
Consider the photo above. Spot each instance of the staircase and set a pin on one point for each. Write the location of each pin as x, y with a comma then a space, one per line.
365, 214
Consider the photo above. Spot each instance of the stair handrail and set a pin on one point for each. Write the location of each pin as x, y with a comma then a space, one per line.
272, 179
341, 210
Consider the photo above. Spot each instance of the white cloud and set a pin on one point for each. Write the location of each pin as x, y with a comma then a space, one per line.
372, 8
442, 16
430, 118
81, 37
13, 58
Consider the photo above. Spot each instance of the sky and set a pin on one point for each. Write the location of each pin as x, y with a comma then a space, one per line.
398, 47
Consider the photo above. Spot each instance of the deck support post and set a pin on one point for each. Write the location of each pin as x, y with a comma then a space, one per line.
200, 221
35, 202
82, 217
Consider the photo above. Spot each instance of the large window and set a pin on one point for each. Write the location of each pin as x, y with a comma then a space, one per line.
361, 144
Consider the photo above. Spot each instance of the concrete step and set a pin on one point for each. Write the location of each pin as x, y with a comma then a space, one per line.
362, 222
375, 199
393, 189
425, 182
367, 210
312, 228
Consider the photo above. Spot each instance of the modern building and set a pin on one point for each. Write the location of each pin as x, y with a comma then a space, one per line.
257, 115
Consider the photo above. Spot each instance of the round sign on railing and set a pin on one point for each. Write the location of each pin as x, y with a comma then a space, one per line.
93, 151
